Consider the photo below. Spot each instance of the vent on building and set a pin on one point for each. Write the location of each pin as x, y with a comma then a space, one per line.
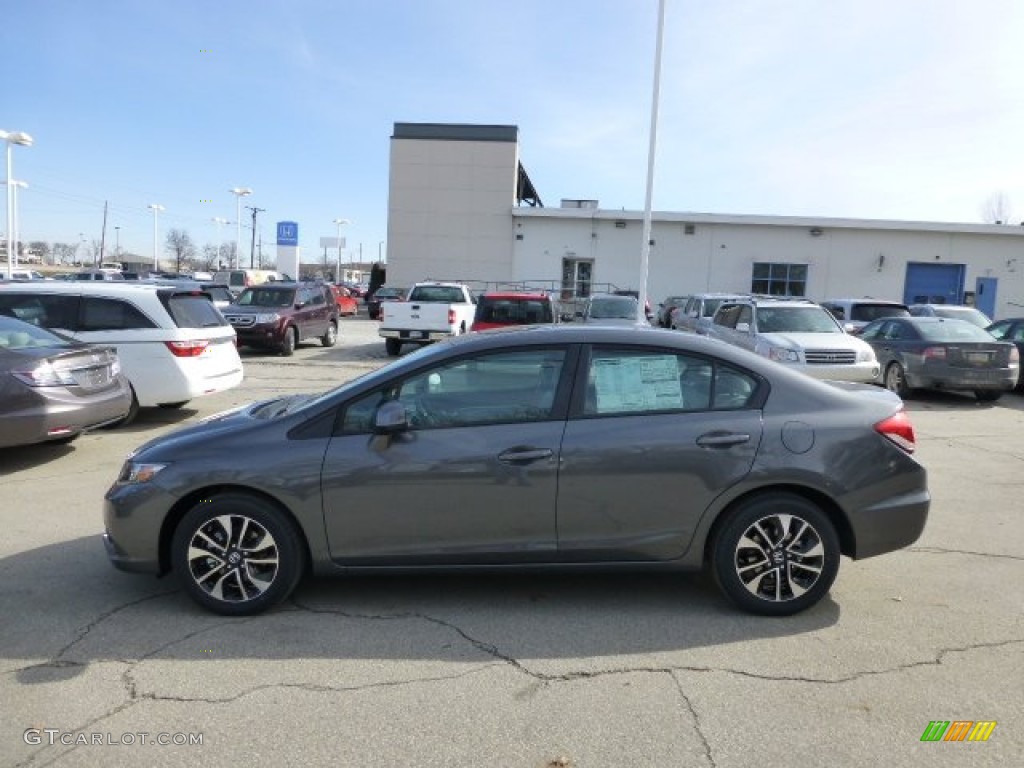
689, 229
620, 224
566, 203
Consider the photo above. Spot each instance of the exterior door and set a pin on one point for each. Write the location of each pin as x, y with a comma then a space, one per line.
472, 480
656, 438
985, 294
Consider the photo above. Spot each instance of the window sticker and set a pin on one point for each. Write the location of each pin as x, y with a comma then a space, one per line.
637, 384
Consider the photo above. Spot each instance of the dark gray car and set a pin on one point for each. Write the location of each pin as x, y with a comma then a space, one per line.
53, 388
546, 446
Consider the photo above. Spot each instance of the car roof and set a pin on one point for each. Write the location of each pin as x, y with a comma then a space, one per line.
865, 300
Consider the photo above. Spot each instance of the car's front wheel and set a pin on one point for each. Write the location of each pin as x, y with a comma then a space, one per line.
237, 555
776, 554
988, 395
291, 340
392, 347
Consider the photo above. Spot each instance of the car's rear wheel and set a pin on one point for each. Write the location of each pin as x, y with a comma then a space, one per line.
133, 411
987, 395
777, 554
237, 555
291, 340
330, 337
896, 380
392, 347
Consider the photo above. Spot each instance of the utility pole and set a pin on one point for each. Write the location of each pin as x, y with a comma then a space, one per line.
103, 234
252, 247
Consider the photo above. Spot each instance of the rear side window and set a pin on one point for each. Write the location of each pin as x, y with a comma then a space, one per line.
111, 315
193, 311
46, 311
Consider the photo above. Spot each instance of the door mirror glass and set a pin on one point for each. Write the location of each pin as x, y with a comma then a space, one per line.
390, 418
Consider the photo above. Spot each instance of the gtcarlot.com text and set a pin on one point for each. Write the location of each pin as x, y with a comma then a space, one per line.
53, 736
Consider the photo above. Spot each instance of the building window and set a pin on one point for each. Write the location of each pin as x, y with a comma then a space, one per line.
779, 279
689, 229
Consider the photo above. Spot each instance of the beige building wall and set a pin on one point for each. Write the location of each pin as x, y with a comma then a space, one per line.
451, 193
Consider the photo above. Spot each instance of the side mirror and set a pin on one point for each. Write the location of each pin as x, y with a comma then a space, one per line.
390, 418
743, 327
300, 304
850, 328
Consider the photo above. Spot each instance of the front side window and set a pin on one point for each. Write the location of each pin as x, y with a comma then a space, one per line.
497, 388
632, 382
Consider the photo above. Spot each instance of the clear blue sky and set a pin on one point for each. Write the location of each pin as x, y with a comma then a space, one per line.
855, 108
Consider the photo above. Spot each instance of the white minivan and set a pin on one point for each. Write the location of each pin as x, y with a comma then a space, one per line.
173, 343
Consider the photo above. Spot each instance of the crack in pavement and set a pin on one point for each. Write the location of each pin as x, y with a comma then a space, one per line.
696, 719
945, 551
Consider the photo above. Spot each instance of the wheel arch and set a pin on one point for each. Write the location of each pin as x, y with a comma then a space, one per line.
187, 502
847, 540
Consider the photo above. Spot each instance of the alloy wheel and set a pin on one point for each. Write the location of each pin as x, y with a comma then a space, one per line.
232, 558
779, 558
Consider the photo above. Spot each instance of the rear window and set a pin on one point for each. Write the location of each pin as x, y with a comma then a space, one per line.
441, 294
193, 311
956, 330
868, 312
513, 311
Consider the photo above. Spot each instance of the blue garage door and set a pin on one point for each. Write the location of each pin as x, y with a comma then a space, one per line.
934, 283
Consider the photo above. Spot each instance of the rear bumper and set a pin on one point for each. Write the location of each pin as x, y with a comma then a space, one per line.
894, 524
414, 337
999, 379
63, 415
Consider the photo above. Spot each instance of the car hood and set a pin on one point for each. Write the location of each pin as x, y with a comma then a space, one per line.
814, 340
228, 423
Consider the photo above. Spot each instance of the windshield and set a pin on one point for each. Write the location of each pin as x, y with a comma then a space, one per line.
810, 319
513, 311
266, 297
613, 307
868, 312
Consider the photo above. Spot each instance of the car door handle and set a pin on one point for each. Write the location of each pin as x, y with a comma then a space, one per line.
516, 455
722, 439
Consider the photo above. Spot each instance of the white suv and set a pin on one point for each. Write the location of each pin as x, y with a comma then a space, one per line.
796, 332
173, 343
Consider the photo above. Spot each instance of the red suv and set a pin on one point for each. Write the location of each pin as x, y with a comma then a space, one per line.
280, 315
494, 310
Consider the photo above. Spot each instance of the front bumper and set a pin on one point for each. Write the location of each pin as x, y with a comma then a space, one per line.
865, 373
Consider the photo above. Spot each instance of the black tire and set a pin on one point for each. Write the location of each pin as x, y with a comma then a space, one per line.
172, 406
800, 562
895, 380
393, 347
251, 565
133, 411
330, 337
291, 341
987, 395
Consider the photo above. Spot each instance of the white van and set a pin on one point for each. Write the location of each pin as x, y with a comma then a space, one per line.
237, 280
173, 344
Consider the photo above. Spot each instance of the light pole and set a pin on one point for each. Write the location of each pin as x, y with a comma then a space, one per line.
380, 248
10, 139
117, 242
239, 193
337, 271
220, 222
156, 208
17, 221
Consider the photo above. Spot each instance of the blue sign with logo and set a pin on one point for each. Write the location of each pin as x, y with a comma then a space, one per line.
287, 233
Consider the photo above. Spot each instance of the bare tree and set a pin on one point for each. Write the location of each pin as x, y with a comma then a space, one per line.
996, 209
210, 257
180, 244
40, 248
64, 253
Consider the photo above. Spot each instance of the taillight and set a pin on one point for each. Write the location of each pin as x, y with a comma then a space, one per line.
1014, 357
193, 348
899, 430
937, 353
451, 316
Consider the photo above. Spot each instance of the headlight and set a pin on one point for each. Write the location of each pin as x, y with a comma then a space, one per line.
866, 355
267, 317
136, 473
783, 355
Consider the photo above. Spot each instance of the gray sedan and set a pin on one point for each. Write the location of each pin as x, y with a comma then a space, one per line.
550, 446
940, 353
53, 388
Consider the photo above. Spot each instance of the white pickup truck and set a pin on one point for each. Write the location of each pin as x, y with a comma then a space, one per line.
430, 312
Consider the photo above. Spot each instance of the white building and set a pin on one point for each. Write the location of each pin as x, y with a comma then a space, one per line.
461, 206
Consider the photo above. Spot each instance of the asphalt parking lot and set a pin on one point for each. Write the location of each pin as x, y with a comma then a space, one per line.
534, 671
